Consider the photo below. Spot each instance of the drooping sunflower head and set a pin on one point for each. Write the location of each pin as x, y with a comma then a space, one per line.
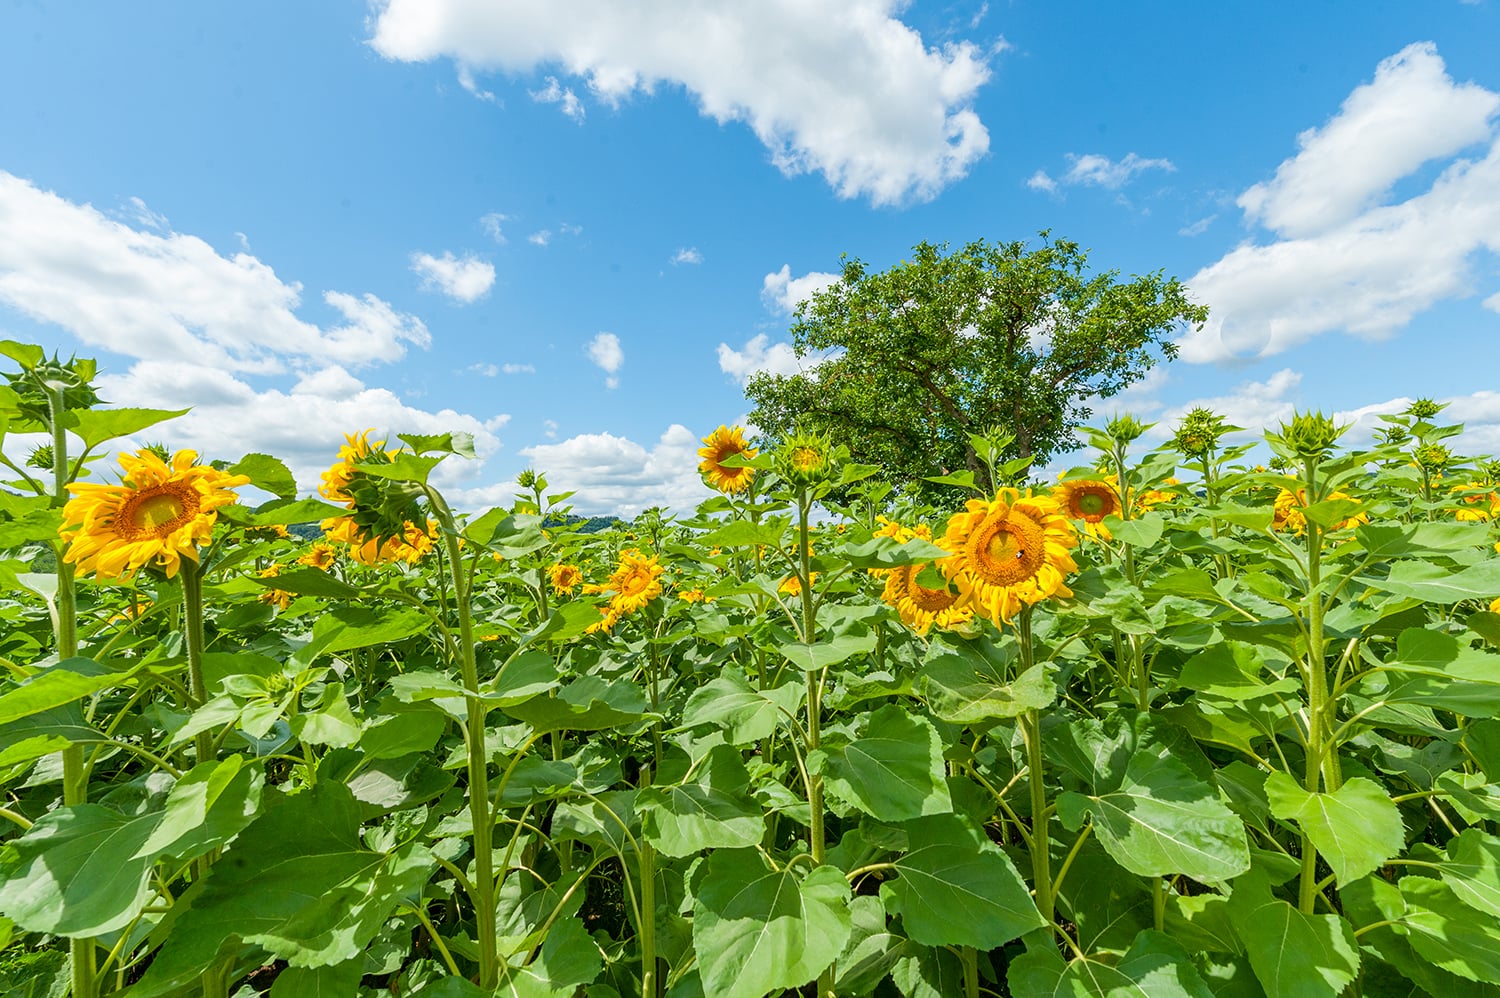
1009, 552
922, 606
564, 577
278, 598
159, 514
410, 545
319, 556
357, 447
718, 445
1089, 500
1289, 516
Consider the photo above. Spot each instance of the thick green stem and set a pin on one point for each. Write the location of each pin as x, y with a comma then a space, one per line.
1031, 730
1322, 761
969, 958
75, 774
816, 834
481, 821
647, 926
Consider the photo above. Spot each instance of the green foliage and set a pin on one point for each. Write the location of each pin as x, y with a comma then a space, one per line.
950, 344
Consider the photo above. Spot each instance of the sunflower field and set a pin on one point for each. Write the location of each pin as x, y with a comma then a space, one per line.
1172, 726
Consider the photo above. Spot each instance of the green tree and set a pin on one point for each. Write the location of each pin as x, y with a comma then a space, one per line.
947, 345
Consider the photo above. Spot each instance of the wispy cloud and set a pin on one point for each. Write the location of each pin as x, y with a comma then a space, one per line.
688, 254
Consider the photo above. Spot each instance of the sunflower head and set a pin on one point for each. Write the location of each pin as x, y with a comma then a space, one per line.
923, 606
320, 556
564, 577
720, 444
1433, 458
1089, 500
1009, 552
635, 582
35, 383
159, 514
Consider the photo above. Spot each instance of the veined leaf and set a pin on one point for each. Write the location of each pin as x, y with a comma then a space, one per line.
744, 714
758, 930
1356, 829
893, 770
1294, 955
956, 888
268, 473
712, 810
95, 426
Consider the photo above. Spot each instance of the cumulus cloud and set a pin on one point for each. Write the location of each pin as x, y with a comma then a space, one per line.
782, 293
303, 426
485, 370
1410, 114
605, 351
838, 87
613, 474
465, 279
1344, 262
687, 254
760, 354
1253, 405
518, 368
149, 295
1041, 181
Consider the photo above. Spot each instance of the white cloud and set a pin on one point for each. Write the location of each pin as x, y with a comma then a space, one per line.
303, 426
617, 475
1197, 228
838, 87
1349, 267
146, 217
518, 368
568, 229
540, 238
549, 429
1094, 170
1040, 181
555, 93
491, 223
605, 351
1410, 114
467, 81
781, 292
687, 254
147, 295
1253, 405
465, 279
760, 354
1492, 302
485, 370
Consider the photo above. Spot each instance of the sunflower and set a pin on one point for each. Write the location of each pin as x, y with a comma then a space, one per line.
1008, 552
919, 606
1289, 506
1089, 500
274, 597
336, 479
564, 578
157, 516
410, 546
1477, 506
1148, 499
792, 585
636, 581
1495, 603
693, 596
718, 445
320, 556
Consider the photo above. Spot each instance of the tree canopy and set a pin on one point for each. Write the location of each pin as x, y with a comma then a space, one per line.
948, 345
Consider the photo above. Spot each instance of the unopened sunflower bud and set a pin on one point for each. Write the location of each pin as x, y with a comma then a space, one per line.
527, 479
1124, 428
1199, 432
1311, 435
40, 458
1433, 457
805, 459
1424, 409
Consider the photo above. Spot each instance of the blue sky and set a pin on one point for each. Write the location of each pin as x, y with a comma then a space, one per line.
573, 228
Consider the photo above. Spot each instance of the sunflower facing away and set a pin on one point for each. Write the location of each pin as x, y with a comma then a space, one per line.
919, 606
157, 515
718, 445
1475, 505
1008, 552
1089, 500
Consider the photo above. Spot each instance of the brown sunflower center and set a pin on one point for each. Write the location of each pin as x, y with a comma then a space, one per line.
1007, 548
158, 511
635, 583
927, 600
